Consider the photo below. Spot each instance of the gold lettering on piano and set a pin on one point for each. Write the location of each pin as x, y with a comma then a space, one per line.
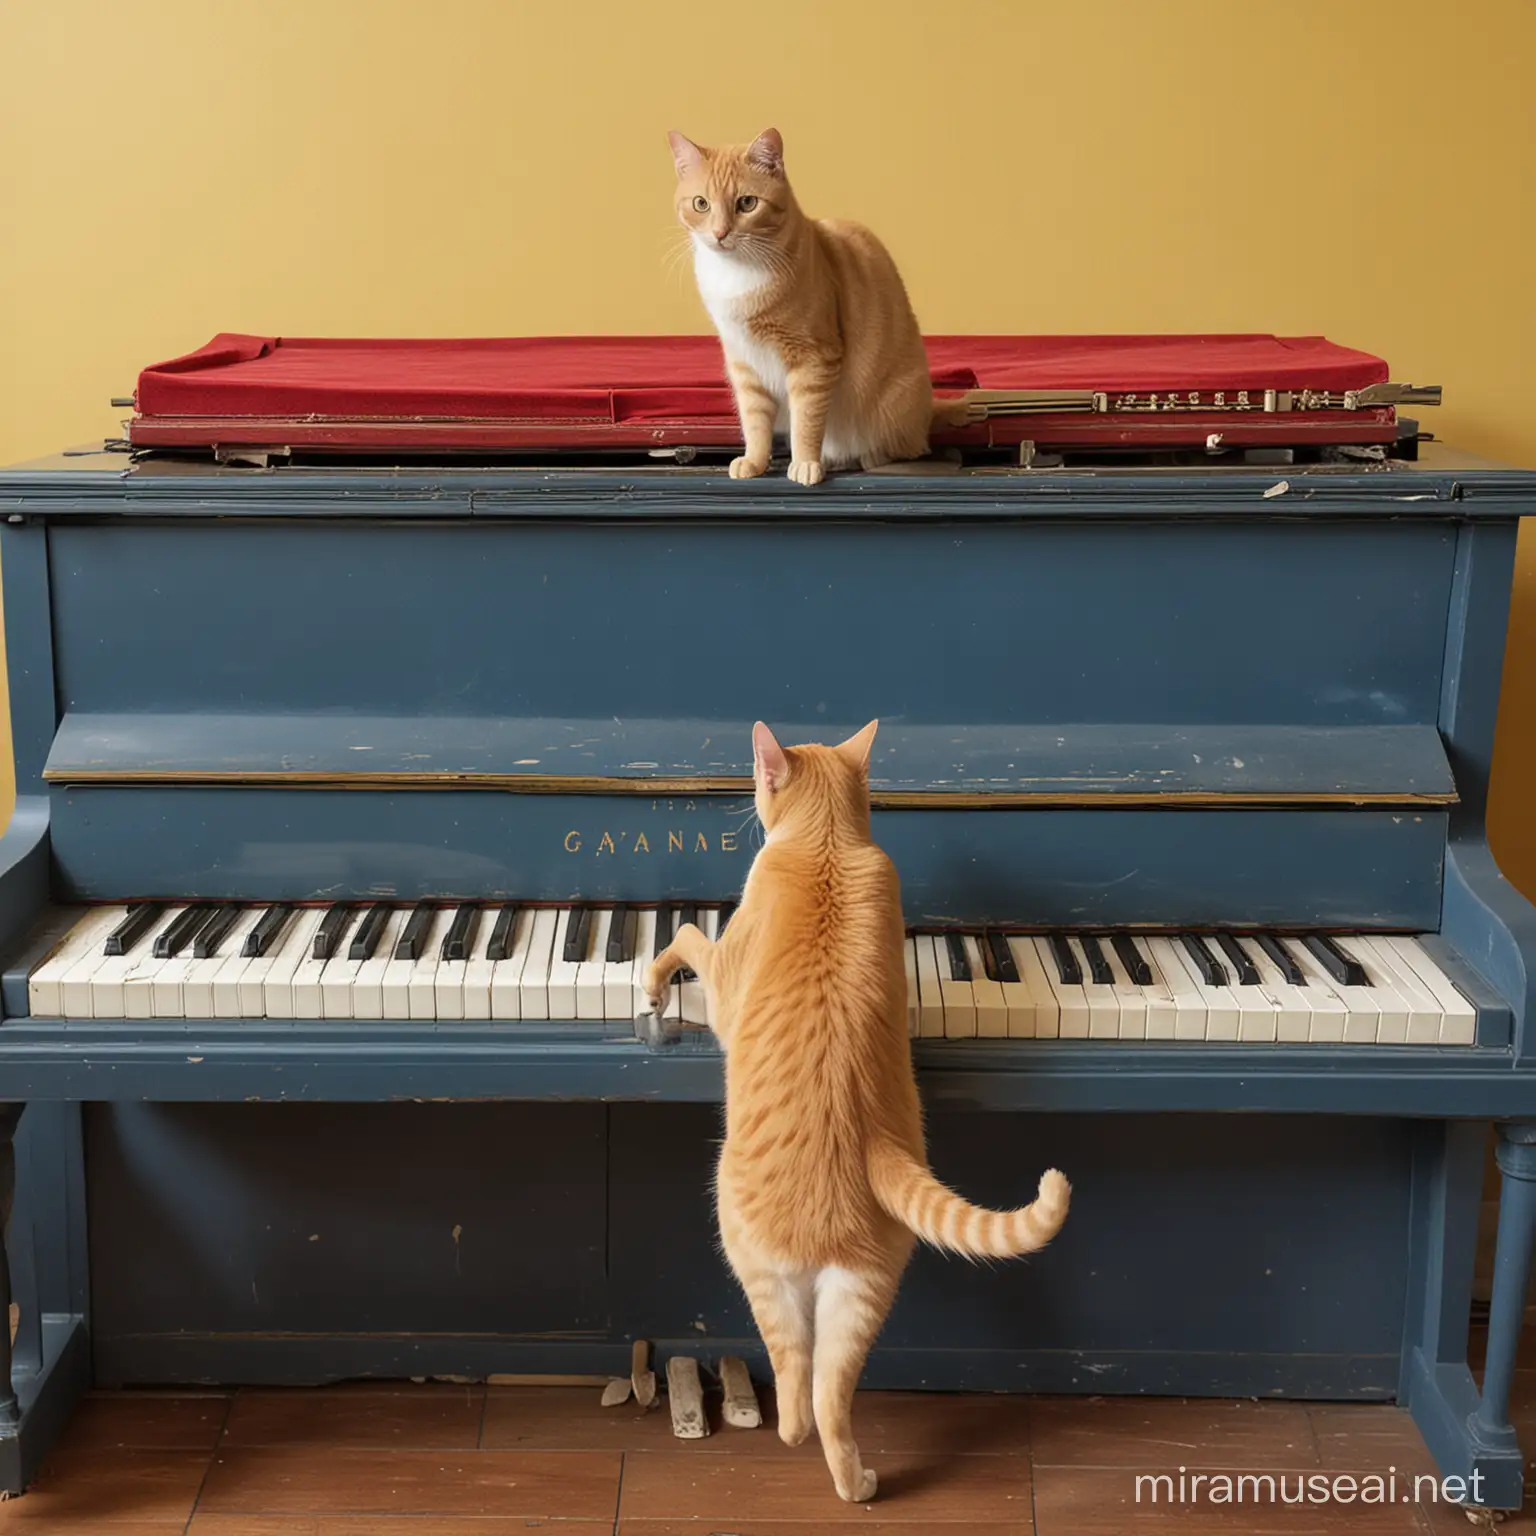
573, 842
610, 842
641, 846
606, 843
702, 844
674, 842
727, 842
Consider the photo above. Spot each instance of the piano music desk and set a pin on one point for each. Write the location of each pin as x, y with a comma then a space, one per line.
1124, 702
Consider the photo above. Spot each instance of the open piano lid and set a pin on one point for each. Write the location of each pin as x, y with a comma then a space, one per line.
600, 392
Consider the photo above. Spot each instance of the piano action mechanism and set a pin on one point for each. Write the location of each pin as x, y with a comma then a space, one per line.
351, 801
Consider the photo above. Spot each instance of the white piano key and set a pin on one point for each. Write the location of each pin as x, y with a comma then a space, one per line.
309, 974
1033, 1009
339, 977
395, 982
618, 978
1221, 1007
1071, 1001
232, 964
930, 998
167, 985
909, 960
1423, 1011
1162, 1016
590, 993
959, 997
1458, 1025
1393, 1009
645, 945
1330, 1012
197, 982
507, 973
475, 988
1189, 1003
448, 980
533, 983
991, 1006
1362, 1013
106, 978
1258, 1018
421, 989
1289, 1003
45, 986
1132, 1000
270, 978
368, 983
695, 995
560, 978
1103, 1004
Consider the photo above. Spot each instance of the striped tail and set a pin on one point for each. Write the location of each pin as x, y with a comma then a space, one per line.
910, 1193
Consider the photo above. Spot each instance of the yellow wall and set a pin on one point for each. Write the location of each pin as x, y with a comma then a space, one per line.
1360, 168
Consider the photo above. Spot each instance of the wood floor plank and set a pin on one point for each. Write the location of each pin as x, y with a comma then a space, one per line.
147, 1421
337, 1480
384, 1525
110, 1487
698, 1485
427, 1418
1157, 1434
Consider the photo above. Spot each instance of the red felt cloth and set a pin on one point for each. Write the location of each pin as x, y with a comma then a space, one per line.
665, 378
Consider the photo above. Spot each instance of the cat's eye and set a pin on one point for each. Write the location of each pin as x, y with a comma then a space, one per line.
701, 205
746, 204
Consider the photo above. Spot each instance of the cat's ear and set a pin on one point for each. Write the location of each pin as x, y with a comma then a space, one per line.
769, 759
686, 155
766, 152
857, 748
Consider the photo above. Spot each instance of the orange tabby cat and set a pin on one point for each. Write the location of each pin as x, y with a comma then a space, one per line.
823, 1178
818, 333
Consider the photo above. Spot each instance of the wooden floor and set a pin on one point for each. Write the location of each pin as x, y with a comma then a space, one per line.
470, 1461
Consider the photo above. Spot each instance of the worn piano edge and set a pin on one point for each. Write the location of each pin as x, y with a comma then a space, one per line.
881, 799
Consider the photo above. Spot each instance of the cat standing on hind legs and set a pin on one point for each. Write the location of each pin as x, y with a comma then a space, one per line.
823, 1182
819, 337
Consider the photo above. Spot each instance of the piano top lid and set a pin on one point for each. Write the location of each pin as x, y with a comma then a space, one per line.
955, 766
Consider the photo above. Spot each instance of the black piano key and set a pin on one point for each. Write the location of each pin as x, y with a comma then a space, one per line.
959, 961
413, 942
213, 933
369, 931
1285, 961
664, 930
578, 934
265, 934
1068, 972
1242, 964
1344, 969
1133, 960
178, 933
1212, 971
333, 927
459, 941
687, 915
499, 945
140, 919
618, 949
1003, 965
1100, 972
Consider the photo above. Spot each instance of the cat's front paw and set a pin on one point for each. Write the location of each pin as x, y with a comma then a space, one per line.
657, 980
747, 468
806, 471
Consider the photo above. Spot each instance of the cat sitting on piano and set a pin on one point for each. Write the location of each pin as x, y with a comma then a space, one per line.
823, 1179
819, 335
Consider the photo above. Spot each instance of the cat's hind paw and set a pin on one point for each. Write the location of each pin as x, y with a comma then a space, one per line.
864, 1489
746, 468
806, 471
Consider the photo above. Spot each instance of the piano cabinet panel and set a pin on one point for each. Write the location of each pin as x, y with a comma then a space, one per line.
1295, 867
1327, 621
1205, 1254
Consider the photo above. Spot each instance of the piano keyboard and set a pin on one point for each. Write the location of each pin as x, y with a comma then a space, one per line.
441, 961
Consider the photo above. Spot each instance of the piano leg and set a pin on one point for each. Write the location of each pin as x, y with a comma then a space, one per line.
10, 1411
1516, 1154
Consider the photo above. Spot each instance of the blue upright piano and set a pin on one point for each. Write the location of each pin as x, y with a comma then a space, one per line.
350, 794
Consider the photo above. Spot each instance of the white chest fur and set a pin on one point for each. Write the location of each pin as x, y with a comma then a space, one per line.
728, 286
